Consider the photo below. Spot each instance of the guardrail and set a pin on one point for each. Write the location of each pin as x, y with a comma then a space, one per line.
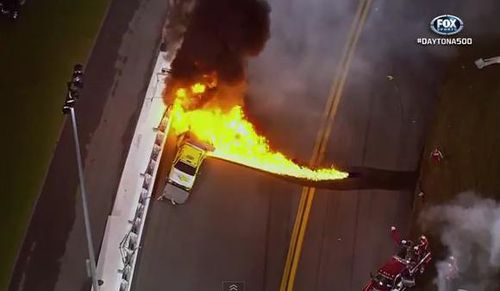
130, 242
125, 225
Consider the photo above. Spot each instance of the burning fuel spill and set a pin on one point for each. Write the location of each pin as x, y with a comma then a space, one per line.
208, 84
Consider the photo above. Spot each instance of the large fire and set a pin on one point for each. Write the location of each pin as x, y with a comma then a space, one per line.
234, 137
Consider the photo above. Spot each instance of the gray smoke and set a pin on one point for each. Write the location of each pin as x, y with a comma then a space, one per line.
294, 73
290, 80
469, 229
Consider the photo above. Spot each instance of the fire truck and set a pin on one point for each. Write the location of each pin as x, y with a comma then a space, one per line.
401, 270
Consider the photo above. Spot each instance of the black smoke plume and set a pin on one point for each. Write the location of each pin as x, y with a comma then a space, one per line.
221, 35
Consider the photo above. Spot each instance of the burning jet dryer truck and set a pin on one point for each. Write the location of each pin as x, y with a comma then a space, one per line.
186, 166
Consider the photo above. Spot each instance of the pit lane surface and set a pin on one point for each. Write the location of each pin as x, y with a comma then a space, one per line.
237, 223
116, 76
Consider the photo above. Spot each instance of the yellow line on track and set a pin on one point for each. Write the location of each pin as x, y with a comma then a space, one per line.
307, 195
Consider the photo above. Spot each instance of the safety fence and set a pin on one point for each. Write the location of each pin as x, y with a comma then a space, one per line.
130, 243
125, 224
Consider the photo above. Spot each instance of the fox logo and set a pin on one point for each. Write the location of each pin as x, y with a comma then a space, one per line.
447, 24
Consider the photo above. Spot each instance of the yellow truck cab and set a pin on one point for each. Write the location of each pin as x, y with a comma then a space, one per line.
186, 165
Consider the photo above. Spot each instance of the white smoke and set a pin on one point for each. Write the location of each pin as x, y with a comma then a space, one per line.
469, 228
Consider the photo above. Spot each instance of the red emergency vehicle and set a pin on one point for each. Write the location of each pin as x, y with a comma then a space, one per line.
400, 271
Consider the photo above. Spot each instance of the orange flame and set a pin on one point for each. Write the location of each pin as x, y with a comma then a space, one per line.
235, 138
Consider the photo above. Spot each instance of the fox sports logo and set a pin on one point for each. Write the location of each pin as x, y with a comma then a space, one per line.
447, 24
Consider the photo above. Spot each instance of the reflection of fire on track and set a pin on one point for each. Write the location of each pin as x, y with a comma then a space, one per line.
399, 272
221, 122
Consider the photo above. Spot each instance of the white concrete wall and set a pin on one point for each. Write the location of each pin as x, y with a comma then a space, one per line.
125, 225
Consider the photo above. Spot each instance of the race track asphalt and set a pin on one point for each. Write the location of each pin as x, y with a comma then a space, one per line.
238, 222
382, 123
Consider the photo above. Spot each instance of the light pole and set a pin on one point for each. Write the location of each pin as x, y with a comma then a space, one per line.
72, 95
